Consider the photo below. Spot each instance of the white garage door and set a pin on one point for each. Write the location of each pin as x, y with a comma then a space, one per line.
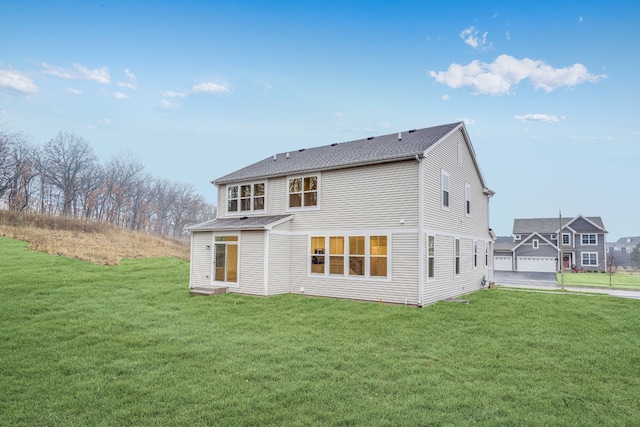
502, 263
543, 264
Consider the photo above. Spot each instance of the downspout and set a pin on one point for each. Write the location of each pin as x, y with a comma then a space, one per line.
420, 230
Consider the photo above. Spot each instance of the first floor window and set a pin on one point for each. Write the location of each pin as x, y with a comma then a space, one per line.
336, 255
365, 256
317, 255
457, 256
378, 256
431, 256
475, 254
589, 259
356, 255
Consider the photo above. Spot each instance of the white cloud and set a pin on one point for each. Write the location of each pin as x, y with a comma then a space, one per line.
468, 121
445, 97
74, 91
120, 95
539, 118
105, 122
16, 82
209, 87
498, 77
168, 105
472, 38
99, 75
133, 80
507, 35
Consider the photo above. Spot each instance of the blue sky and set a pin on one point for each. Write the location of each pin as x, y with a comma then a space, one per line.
548, 90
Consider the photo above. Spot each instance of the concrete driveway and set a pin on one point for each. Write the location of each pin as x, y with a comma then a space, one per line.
524, 278
531, 280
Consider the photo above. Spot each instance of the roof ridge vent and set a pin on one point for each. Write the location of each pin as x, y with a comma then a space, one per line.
412, 131
370, 138
301, 150
334, 144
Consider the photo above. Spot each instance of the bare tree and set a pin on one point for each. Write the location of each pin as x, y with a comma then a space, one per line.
67, 156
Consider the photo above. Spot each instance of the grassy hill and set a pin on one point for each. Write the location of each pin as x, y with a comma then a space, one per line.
91, 241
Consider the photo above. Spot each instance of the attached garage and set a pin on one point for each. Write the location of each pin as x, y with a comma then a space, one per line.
503, 263
536, 264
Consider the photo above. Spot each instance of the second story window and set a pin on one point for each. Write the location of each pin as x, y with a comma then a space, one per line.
445, 190
589, 239
566, 239
246, 197
303, 192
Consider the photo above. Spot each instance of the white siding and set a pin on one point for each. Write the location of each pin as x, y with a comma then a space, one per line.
200, 259
251, 263
279, 261
447, 225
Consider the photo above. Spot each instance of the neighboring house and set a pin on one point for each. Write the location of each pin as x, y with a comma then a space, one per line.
400, 218
622, 250
534, 245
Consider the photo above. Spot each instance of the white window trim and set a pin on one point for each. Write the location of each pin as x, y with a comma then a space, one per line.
431, 279
240, 212
553, 237
367, 257
467, 199
517, 237
588, 234
459, 153
582, 254
568, 239
535, 243
475, 254
444, 174
457, 255
318, 175
238, 260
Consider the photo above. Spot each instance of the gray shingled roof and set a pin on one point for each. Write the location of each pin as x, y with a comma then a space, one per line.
379, 149
239, 223
547, 225
503, 243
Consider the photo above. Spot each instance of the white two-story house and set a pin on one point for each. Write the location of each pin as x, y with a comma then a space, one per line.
400, 218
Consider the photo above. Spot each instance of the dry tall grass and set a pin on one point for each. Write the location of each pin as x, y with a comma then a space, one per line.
91, 241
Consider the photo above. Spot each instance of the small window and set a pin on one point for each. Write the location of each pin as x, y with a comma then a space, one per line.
317, 255
467, 198
589, 239
431, 256
536, 243
356, 255
475, 254
590, 259
566, 239
378, 256
553, 237
445, 190
517, 237
336, 255
486, 254
457, 257
303, 192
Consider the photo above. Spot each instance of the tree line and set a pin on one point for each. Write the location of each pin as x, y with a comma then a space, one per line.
64, 177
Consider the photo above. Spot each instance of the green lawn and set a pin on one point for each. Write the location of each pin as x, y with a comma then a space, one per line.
82, 344
601, 280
